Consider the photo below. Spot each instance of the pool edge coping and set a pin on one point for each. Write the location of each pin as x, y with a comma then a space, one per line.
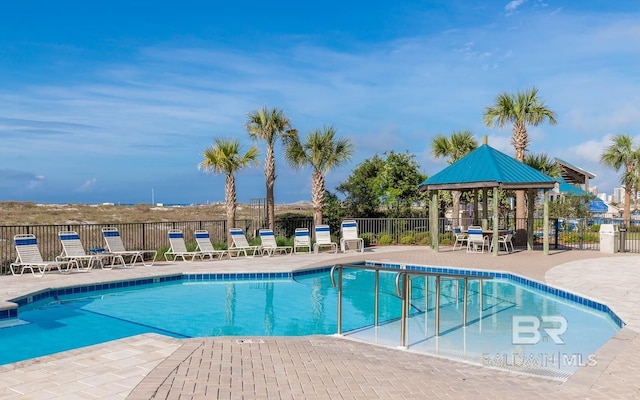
9, 310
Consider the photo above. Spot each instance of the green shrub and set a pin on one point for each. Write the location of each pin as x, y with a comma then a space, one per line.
283, 241
446, 238
574, 237
408, 239
385, 239
425, 240
595, 228
421, 236
368, 239
161, 252
220, 246
591, 237
569, 237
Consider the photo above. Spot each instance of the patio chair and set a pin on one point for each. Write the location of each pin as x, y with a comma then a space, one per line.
476, 240
461, 238
205, 247
350, 236
116, 246
269, 245
301, 239
72, 249
323, 239
241, 245
505, 240
178, 247
29, 257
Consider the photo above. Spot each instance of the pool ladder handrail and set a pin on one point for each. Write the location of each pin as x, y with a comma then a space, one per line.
403, 290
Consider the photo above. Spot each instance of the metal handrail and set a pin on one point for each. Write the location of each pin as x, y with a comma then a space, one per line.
403, 290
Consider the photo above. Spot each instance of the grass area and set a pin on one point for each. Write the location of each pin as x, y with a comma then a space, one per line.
28, 213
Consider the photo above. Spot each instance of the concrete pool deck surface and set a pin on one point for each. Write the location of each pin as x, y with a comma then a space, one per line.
328, 367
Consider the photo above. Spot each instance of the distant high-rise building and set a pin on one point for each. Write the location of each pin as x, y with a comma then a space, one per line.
618, 195
602, 196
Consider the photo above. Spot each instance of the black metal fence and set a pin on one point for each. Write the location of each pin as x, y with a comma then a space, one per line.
146, 235
564, 233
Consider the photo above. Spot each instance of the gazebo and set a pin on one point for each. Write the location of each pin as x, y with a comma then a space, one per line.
574, 175
487, 168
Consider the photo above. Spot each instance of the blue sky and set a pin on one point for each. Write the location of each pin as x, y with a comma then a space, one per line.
107, 101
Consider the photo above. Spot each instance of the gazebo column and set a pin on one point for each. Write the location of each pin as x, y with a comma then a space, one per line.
485, 209
530, 206
434, 229
545, 222
496, 222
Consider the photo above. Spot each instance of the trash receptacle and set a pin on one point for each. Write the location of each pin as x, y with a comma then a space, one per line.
609, 238
623, 239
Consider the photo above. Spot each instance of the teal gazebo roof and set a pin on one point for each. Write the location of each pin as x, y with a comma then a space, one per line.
486, 167
569, 189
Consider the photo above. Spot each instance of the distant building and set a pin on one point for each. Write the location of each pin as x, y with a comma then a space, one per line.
618, 195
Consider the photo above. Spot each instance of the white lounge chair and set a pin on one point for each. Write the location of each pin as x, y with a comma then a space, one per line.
302, 240
72, 249
476, 240
114, 245
178, 247
461, 238
205, 247
350, 236
269, 245
241, 245
323, 239
29, 257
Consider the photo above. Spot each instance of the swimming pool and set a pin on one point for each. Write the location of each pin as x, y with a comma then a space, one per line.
201, 306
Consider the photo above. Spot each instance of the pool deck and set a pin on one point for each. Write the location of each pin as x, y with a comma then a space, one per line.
329, 367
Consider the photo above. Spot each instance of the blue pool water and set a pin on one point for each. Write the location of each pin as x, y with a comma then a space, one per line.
303, 306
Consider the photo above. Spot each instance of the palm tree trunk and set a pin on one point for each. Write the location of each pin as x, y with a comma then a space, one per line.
455, 217
230, 201
520, 141
627, 205
317, 196
270, 179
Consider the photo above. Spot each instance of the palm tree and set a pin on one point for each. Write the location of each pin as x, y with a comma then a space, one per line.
622, 153
322, 151
225, 158
269, 125
522, 109
456, 146
543, 163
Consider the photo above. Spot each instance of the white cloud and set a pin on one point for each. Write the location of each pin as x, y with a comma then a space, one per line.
152, 114
591, 149
501, 143
36, 182
88, 184
512, 6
